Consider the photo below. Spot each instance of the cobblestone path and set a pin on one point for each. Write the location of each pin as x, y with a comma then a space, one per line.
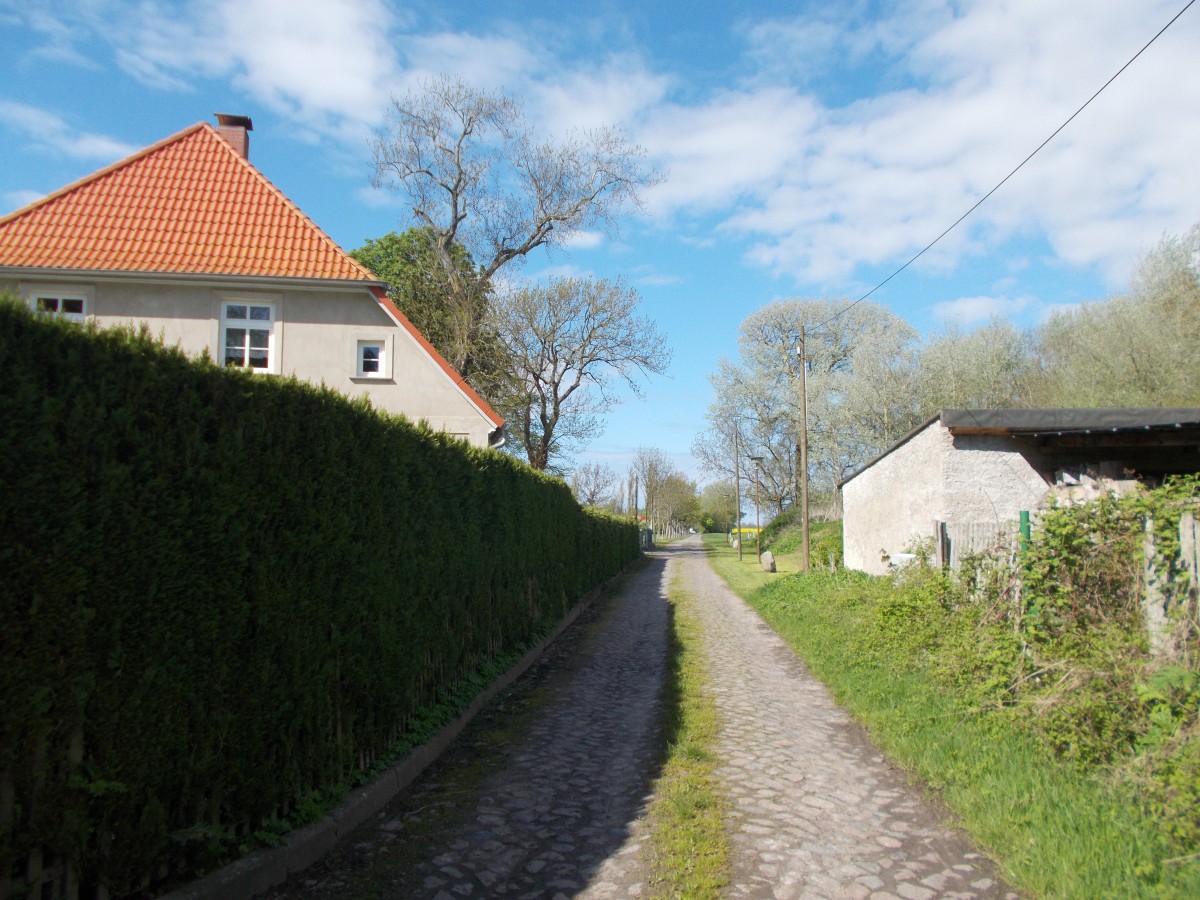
544, 797
818, 811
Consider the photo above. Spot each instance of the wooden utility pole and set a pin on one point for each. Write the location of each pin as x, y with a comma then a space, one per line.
757, 519
800, 350
737, 480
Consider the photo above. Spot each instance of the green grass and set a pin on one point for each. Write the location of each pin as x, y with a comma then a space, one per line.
689, 846
1053, 831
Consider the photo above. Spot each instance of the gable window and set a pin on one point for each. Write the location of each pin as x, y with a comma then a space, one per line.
61, 306
248, 335
371, 359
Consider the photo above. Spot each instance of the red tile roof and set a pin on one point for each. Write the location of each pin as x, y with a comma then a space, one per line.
188, 204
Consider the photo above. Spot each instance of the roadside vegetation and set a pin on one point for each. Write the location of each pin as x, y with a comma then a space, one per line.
689, 846
1068, 752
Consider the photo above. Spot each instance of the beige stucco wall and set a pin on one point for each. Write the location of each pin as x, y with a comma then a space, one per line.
934, 476
316, 333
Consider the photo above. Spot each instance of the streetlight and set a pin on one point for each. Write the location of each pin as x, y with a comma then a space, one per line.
757, 521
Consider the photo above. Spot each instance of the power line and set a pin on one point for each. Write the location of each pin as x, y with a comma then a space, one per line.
979, 202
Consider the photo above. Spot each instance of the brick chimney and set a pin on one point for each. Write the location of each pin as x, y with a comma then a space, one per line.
236, 130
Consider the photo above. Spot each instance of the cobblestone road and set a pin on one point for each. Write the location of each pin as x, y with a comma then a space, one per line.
818, 811
544, 797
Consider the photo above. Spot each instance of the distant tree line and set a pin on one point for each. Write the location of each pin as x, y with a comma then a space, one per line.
871, 377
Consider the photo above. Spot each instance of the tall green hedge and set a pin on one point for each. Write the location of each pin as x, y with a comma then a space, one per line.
224, 594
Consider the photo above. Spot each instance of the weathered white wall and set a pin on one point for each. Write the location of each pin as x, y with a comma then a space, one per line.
933, 476
316, 333
892, 504
987, 480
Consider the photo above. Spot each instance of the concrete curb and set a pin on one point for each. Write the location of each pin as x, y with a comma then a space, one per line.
264, 869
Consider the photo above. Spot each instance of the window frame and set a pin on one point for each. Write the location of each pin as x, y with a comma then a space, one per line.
35, 295
387, 354
225, 323
382, 370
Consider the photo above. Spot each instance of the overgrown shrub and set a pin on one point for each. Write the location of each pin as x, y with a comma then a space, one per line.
227, 597
1055, 643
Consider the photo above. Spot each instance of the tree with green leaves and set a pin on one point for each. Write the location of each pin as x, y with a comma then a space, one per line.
858, 363
988, 367
419, 286
718, 506
1137, 349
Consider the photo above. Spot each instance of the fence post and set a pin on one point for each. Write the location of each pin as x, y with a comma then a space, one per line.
941, 544
1154, 597
1189, 557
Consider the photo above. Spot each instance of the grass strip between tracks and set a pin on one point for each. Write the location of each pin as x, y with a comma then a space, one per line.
689, 844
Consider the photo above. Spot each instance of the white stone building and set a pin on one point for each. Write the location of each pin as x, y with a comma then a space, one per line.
970, 473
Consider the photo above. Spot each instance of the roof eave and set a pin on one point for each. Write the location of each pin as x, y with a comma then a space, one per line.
43, 273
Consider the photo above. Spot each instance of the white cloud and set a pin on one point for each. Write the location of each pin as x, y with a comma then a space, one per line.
328, 67
492, 62
731, 149
46, 130
14, 200
584, 240
659, 280
820, 191
545, 273
620, 91
813, 188
973, 310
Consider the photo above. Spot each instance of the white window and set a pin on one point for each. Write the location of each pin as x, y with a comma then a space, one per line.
61, 306
248, 335
372, 360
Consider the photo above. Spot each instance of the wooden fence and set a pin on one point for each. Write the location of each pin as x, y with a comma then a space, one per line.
953, 541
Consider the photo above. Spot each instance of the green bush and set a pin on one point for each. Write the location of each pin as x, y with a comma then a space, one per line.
1056, 647
217, 610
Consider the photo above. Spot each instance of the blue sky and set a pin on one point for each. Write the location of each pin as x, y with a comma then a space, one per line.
811, 148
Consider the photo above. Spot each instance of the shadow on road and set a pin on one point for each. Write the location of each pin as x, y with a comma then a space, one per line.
546, 785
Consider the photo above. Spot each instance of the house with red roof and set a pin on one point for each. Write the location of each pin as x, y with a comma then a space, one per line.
190, 238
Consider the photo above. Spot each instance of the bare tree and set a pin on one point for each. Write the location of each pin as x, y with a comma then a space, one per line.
593, 483
566, 343
650, 470
477, 175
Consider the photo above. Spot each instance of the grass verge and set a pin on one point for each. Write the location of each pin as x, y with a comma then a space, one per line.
689, 846
1053, 831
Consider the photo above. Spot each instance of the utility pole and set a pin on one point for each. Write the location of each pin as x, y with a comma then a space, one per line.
737, 480
804, 561
757, 520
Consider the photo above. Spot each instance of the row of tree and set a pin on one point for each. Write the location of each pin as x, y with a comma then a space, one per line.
870, 377
652, 488
485, 192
